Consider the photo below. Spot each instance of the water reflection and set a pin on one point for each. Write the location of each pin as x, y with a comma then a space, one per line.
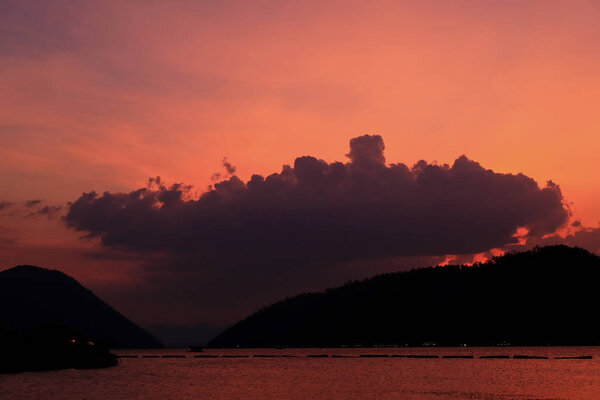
383, 373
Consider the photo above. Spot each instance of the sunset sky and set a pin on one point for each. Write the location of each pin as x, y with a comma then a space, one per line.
101, 96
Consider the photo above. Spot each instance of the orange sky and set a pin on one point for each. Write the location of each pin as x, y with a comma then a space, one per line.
100, 96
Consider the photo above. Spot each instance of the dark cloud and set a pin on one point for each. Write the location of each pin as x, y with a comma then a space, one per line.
241, 245
37, 208
31, 209
586, 237
229, 167
5, 204
32, 203
154, 181
229, 171
48, 211
363, 209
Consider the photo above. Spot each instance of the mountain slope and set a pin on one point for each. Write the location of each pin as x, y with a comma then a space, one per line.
544, 296
31, 296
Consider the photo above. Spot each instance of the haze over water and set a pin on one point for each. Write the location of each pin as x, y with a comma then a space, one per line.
303, 378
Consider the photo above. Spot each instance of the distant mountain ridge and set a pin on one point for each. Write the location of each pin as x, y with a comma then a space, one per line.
546, 296
32, 296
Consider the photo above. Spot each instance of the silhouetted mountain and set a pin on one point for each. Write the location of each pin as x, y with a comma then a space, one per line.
49, 347
32, 296
185, 336
545, 296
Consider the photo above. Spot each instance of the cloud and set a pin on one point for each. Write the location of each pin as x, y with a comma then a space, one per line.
5, 204
228, 166
32, 203
31, 209
229, 170
315, 210
36, 208
240, 245
48, 211
585, 237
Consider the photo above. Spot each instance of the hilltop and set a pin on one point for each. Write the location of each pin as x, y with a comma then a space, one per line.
31, 296
544, 296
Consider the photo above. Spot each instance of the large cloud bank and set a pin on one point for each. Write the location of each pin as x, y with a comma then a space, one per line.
315, 210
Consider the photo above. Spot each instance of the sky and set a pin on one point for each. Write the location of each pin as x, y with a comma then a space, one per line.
482, 129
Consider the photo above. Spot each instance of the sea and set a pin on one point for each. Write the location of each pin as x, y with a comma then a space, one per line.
432, 373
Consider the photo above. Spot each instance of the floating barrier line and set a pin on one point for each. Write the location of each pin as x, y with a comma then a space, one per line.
522, 357
414, 356
372, 355
451, 356
496, 357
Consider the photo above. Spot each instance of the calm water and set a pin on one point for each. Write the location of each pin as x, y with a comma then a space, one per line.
307, 378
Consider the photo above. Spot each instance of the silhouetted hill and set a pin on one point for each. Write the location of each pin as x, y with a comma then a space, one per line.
49, 347
32, 296
545, 296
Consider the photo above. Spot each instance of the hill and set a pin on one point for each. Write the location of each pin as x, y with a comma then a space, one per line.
544, 296
32, 296
49, 347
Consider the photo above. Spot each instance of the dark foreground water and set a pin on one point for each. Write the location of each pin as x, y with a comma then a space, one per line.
302, 377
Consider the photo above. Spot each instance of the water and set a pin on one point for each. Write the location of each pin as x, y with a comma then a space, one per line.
305, 378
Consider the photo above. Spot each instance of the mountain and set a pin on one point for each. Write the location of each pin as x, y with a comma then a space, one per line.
32, 296
544, 296
185, 336
49, 347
